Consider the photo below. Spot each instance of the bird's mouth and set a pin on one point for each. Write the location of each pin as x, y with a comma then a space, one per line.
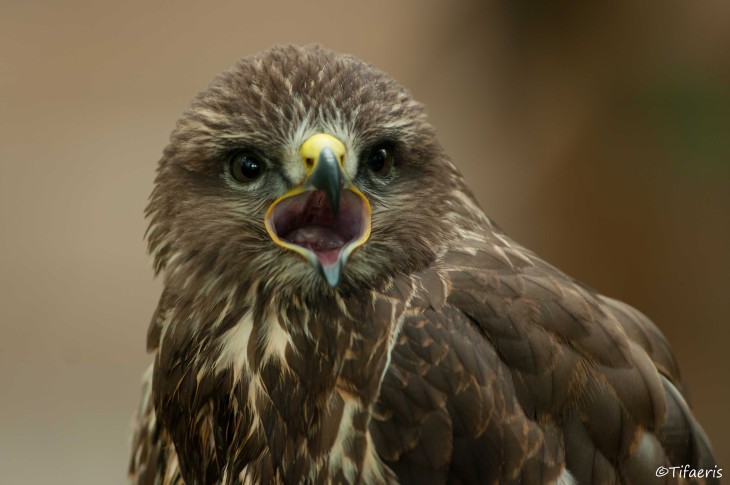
326, 217
305, 223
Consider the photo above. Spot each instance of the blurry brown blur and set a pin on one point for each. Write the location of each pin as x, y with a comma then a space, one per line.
597, 135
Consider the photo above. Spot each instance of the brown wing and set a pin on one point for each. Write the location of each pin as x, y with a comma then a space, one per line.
153, 460
448, 411
520, 371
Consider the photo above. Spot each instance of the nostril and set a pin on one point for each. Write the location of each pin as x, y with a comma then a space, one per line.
309, 162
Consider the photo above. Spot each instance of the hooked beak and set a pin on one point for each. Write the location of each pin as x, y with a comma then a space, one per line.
324, 218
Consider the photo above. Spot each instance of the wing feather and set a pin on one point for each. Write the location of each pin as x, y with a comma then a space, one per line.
520, 372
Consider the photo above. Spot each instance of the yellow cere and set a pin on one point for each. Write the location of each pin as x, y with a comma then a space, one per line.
313, 146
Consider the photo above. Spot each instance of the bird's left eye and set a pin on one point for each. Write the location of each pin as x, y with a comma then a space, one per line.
380, 161
246, 167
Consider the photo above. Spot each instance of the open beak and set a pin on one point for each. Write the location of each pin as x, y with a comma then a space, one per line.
326, 217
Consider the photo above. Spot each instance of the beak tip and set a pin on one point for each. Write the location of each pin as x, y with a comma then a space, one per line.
332, 274
334, 201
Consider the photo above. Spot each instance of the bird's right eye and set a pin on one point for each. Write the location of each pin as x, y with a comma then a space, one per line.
246, 167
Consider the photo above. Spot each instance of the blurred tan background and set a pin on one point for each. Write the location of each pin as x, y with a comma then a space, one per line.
598, 136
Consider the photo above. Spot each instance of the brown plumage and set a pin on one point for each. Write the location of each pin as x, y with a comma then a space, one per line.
439, 351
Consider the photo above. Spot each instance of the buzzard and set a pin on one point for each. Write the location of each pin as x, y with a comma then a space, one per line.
338, 309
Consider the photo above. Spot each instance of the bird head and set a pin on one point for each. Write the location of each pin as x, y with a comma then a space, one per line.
304, 170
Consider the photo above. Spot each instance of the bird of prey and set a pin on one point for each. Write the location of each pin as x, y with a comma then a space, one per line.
337, 308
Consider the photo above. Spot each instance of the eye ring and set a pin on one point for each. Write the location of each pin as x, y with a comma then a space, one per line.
380, 160
245, 166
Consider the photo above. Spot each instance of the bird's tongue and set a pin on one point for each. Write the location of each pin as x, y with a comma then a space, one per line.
323, 241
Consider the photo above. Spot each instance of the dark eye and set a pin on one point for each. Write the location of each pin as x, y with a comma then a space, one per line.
380, 161
246, 167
